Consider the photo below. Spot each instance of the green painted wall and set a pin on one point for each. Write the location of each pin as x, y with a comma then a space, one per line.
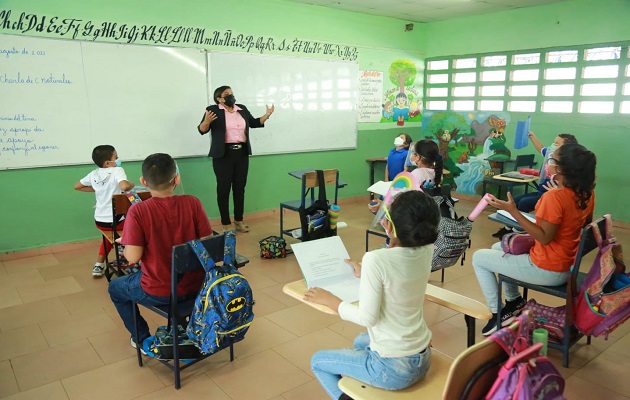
561, 24
39, 206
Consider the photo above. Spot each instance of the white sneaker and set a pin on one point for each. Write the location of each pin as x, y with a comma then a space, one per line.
133, 344
98, 271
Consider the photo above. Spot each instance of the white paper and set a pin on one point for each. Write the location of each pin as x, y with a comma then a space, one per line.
322, 264
506, 214
380, 187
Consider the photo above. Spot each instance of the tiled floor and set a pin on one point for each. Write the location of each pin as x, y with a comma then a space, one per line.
61, 338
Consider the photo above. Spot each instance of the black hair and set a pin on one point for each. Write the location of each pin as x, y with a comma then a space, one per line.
218, 91
102, 153
577, 166
568, 138
158, 170
408, 140
416, 217
430, 151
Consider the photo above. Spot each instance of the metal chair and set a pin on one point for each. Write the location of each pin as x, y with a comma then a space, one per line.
309, 183
567, 291
177, 312
522, 161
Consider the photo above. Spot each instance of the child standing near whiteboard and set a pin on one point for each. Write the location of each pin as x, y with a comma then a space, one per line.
108, 179
394, 353
397, 157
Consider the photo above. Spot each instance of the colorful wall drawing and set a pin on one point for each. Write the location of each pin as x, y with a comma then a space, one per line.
402, 102
472, 144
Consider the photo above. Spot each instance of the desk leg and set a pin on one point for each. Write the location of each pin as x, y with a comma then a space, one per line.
470, 326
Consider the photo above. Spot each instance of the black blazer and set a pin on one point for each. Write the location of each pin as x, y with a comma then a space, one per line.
217, 129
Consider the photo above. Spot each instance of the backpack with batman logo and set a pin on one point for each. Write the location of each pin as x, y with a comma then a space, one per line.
223, 309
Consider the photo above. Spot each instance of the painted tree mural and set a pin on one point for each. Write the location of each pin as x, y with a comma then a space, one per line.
402, 73
446, 127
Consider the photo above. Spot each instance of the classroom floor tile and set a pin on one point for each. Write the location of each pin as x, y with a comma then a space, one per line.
65, 340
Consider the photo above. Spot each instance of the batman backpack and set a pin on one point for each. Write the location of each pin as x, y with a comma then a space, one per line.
223, 309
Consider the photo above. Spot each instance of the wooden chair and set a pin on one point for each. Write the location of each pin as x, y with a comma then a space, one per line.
469, 377
309, 183
177, 312
566, 291
120, 206
522, 161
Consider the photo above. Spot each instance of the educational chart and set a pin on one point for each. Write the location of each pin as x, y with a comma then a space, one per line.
62, 98
315, 100
370, 95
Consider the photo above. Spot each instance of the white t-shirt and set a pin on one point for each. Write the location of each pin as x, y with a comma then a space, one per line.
106, 182
391, 299
423, 175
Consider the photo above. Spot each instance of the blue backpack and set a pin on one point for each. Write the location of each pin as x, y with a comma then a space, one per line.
223, 309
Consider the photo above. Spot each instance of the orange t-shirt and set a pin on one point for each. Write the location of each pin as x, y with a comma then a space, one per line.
558, 207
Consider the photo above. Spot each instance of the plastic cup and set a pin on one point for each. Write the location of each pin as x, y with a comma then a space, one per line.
333, 212
541, 335
479, 207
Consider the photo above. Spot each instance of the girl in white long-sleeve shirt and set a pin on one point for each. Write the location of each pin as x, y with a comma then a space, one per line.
394, 352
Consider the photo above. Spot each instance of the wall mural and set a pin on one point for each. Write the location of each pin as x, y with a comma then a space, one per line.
166, 35
402, 102
472, 144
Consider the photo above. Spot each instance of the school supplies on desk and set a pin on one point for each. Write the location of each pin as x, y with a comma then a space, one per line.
322, 264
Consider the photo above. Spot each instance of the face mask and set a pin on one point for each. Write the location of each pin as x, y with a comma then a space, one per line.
398, 142
552, 148
229, 100
118, 162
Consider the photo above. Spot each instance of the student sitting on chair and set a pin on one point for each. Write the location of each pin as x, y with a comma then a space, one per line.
527, 202
153, 227
394, 352
560, 215
108, 179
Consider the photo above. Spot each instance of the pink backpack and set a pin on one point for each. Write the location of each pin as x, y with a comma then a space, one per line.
517, 243
526, 374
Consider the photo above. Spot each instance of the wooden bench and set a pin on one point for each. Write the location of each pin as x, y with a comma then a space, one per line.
472, 309
431, 387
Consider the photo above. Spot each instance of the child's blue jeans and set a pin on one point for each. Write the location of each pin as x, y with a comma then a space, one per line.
367, 366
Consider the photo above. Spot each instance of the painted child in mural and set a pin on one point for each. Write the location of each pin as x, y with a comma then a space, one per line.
401, 109
414, 109
388, 110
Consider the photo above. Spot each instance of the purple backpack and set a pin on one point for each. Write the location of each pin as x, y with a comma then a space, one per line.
526, 374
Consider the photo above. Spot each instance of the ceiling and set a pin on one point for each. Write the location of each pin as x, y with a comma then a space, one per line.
426, 10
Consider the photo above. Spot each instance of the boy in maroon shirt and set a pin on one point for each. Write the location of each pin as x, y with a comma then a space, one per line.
152, 228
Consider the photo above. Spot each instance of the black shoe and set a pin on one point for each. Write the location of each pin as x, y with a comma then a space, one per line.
491, 326
499, 234
512, 310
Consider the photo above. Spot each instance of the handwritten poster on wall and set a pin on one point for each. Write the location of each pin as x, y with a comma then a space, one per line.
370, 96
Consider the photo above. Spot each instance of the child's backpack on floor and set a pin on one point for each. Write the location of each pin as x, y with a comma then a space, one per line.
453, 235
223, 309
526, 374
603, 300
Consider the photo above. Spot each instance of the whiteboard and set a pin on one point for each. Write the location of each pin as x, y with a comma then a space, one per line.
315, 100
59, 99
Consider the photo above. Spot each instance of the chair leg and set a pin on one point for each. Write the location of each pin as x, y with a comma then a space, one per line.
137, 334
470, 329
588, 339
443, 274
176, 369
281, 221
231, 351
499, 303
525, 293
367, 235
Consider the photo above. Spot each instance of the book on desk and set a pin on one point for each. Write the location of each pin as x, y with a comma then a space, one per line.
505, 214
322, 264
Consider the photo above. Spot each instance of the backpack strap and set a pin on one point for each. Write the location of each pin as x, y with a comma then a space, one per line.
202, 254
229, 250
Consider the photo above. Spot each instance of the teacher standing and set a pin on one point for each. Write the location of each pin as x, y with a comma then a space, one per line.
229, 124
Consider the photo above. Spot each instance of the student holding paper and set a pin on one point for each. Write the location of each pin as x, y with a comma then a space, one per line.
561, 214
394, 353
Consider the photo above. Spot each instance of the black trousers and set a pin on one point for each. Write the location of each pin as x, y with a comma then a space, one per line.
231, 172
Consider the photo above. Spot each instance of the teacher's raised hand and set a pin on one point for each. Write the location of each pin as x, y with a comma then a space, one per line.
268, 113
210, 116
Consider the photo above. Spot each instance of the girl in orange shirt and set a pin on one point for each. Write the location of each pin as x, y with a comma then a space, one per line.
560, 215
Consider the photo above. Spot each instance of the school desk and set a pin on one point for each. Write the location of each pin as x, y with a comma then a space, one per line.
472, 309
373, 162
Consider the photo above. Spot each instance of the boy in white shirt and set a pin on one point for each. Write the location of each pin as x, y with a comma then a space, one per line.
108, 179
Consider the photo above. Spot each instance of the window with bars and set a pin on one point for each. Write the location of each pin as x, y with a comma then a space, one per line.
592, 79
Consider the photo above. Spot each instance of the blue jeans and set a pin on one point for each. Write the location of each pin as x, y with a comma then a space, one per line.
367, 366
488, 262
123, 292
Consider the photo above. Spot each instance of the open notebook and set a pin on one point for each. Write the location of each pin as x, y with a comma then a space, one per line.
506, 214
322, 264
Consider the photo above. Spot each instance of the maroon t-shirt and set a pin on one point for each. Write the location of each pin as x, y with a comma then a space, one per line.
158, 224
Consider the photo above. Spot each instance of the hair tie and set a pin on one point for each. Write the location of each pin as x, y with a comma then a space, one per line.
438, 157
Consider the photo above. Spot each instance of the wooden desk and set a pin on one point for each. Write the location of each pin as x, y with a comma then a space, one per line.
373, 162
299, 172
472, 309
503, 177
